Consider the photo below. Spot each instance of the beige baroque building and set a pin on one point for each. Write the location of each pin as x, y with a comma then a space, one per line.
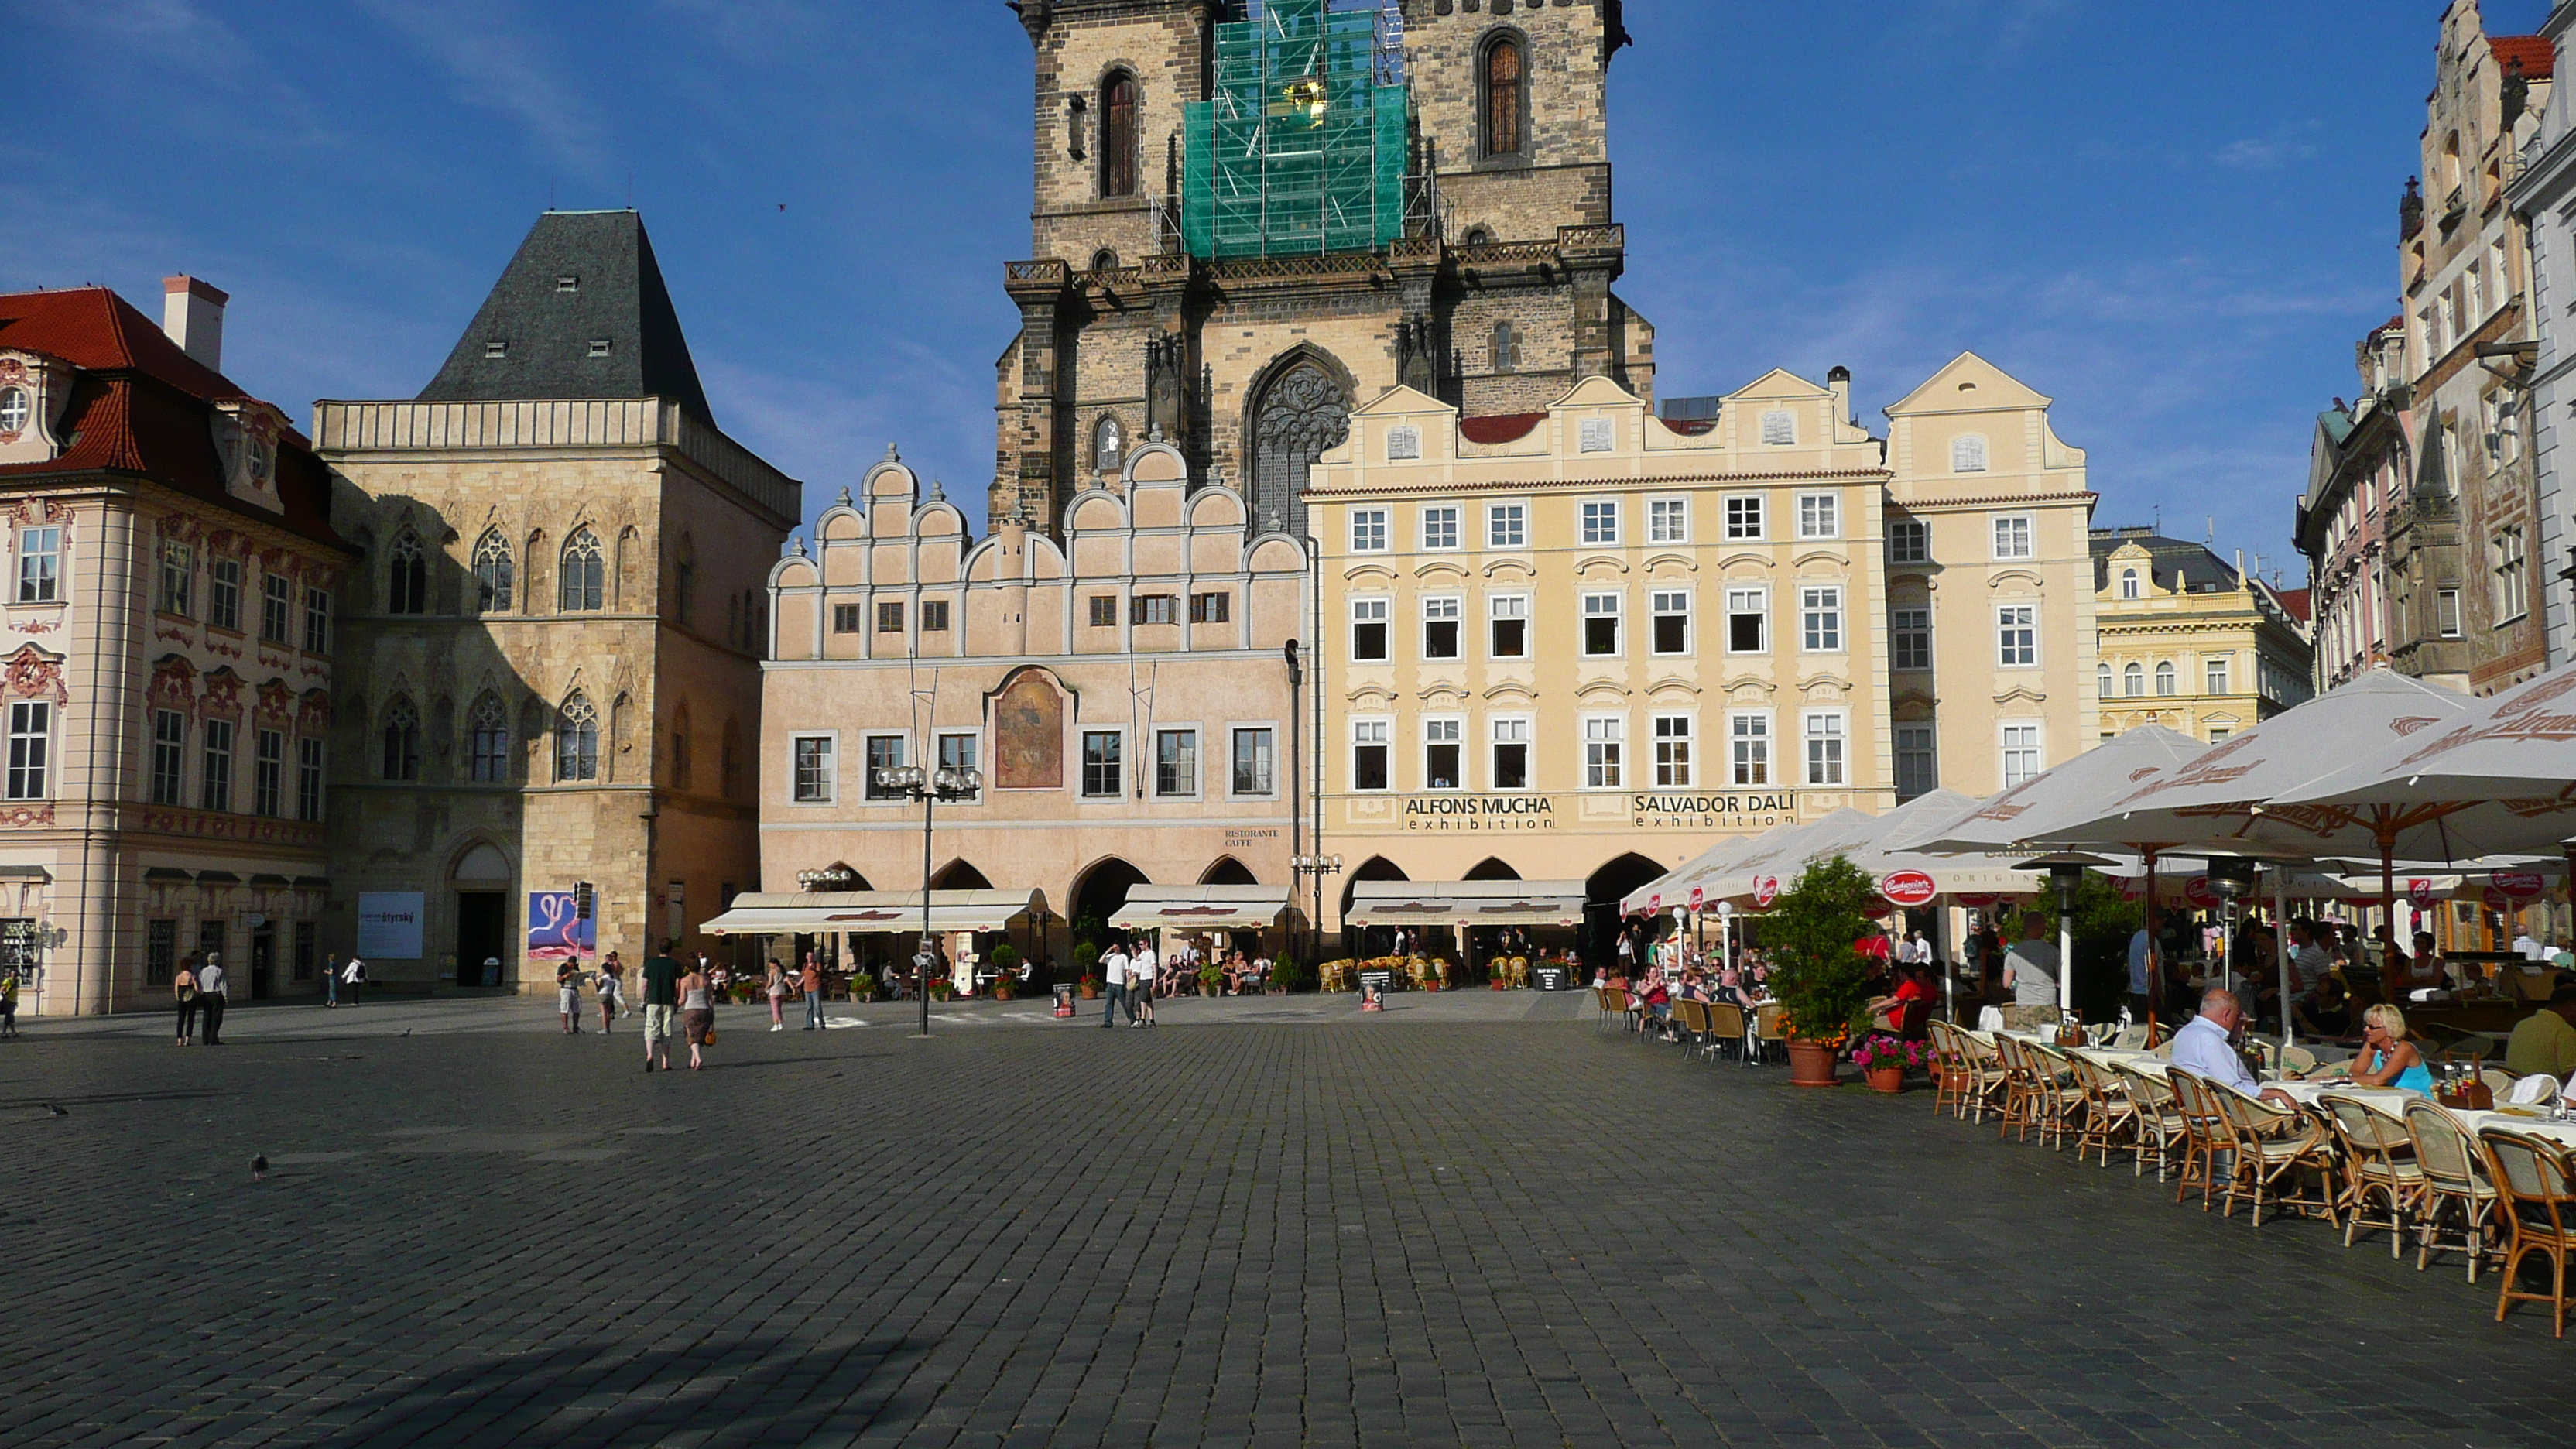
1579, 645
2190, 642
1125, 693
167, 628
553, 648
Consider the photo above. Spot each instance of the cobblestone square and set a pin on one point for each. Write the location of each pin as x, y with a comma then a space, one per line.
1476, 1220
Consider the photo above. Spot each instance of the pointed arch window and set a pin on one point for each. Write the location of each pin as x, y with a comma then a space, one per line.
407, 577
585, 574
1507, 348
1118, 105
577, 740
1302, 415
495, 577
402, 742
487, 741
1503, 109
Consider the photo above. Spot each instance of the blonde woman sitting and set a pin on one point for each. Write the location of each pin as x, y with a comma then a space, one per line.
2387, 1058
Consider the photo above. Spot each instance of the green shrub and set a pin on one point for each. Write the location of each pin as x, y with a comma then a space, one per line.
862, 987
1811, 930
1289, 974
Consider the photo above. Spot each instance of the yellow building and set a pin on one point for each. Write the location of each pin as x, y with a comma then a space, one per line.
2189, 642
1580, 644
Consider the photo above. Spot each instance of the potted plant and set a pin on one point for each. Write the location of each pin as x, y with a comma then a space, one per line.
1287, 975
1818, 974
863, 987
1885, 1058
1211, 979
1089, 988
1086, 973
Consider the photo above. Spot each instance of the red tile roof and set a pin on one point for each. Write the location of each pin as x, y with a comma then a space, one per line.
2539, 58
1502, 428
140, 405
2294, 600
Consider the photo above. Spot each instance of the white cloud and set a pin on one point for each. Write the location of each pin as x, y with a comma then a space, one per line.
493, 61
2269, 153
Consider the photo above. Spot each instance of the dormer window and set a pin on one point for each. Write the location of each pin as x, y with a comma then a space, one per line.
599, 347
2129, 587
568, 283
16, 407
496, 349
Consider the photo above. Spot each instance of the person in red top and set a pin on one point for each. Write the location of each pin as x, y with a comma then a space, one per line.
812, 981
1909, 1010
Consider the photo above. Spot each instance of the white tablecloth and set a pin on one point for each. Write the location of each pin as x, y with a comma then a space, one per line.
2564, 1132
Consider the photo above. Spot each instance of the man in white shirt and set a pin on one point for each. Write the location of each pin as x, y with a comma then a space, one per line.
210, 999
1113, 969
2206, 1046
2529, 949
2309, 961
1140, 985
353, 976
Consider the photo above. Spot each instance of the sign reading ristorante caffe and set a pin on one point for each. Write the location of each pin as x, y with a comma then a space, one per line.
1644, 810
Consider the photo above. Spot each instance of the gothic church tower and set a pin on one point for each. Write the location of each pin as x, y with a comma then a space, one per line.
1251, 217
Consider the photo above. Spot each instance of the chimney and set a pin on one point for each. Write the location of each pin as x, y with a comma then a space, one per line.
193, 314
1838, 381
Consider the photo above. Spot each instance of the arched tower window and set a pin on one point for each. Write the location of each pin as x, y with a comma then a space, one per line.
407, 579
585, 573
1118, 135
493, 574
1108, 446
577, 740
1507, 348
487, 741
1503, 111
1302, 415
402, 742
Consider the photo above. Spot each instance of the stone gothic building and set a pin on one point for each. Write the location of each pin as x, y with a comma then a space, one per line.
1244, 228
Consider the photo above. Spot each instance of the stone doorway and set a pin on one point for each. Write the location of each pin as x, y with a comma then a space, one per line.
482, 933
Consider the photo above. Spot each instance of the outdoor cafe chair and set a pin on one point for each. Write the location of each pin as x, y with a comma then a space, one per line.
2204, 1127
1949, 1068
2271, 1147
2061, 1096
2536, 1179
1987, 1080
1600, 1006
2371, 1143
2021, 1107
2159, 1128
1691, 1017
1614, 1005
2535, 1090
2457, 1183
2110, 1117
1766, 1034
1725, 1027
2498, 1082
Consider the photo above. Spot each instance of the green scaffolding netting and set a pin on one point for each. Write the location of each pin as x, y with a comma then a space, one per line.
1302, 148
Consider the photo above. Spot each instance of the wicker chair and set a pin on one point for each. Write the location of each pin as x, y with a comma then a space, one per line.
2159, 1127
2536, 1179
1607, 1002
2061, 1094
2021, 1106
1692, 1019
1983, 1091
1725, 1027
2457, 1180
2371, 1145
2110, 1117
2204, 1133
1950, 1073
2272, 1147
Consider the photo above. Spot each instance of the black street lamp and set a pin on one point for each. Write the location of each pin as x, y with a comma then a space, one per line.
930, 788
1318, 866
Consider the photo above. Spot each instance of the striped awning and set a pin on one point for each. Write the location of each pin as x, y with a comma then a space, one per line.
1466, 903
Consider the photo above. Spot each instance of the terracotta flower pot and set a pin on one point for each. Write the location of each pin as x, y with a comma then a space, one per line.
1811, 1064
1890, 1080
1090, 993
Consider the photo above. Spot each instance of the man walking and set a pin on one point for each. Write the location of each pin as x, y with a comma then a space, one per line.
1113, 969
1140, 984
353, 976
210, 998
811, 979
661, 1005
331, 979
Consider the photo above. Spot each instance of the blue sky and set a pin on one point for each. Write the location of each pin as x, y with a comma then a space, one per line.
2176, 219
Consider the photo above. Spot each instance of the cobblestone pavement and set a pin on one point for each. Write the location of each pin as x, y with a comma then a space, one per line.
1475, 1220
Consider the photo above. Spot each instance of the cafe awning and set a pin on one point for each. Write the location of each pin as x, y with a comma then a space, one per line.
1200, 908
1467, 903
897, 913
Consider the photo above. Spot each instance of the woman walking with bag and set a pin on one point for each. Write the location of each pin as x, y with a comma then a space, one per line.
697, 1014
777, 988
183, 989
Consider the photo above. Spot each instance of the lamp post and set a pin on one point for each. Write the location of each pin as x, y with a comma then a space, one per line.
930, 788
1318, 867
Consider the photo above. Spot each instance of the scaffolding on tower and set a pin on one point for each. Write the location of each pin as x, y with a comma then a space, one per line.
1304, 144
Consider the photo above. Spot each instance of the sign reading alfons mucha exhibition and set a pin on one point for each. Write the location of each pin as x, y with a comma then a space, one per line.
1641, 810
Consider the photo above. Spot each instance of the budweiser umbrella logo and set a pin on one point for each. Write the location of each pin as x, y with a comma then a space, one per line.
2519, 885
2420, 891
1765, 891
1908, 888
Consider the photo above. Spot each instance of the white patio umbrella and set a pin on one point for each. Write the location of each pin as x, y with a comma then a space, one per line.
1778, 856
2500, 776
1676, 884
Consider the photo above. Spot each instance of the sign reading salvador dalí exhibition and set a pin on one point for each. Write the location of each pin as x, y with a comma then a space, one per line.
1644, 811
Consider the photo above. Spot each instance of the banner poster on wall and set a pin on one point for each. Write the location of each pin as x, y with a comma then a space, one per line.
389, 924
554, 931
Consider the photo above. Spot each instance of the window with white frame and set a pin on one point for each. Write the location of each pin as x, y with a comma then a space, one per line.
317, 621
1668, 520
31, 740
1442, 746
961, 753
1909, 541
1820, 515
1917, 765
1820, 618
2512, 574
2013, 538
1511, 742
1824, 747
1968, 453
1605, 739
1601, 522
1368, 530
1600, 625
1749, 748
1104, 765
1440, 627
2129, 586
1368, 630
1507, 525
178, 578
215, 777
1369, 753
169, 756
276, 608
1507, 621
1671, 620
2446, 613
268, 774
1779, 428
1748, 620
40, 564
1744, 517
1176, 763
2214, 677
1673, 768
223, 594
1909, 638
2021, 754
2102, 680
1439, 528
813, 769
308, 778
2166, 682
2016, 635
1255, 768
2133, 679
884, 752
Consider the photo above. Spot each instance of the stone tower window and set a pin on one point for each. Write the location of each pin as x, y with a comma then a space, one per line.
402, 742
1302, 415
577, 740
492, 572
1507, 348
407, 580
585, 574
487, 741
1108, 446
1118, 135
1503, 108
